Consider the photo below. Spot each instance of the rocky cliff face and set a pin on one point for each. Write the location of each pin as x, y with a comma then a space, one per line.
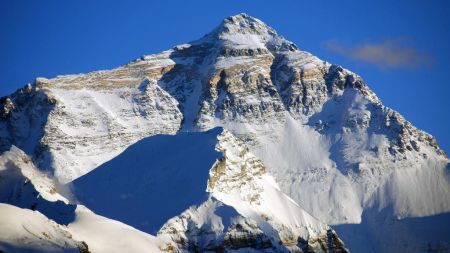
317, 128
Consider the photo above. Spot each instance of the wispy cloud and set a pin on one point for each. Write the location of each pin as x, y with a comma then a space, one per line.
391, 53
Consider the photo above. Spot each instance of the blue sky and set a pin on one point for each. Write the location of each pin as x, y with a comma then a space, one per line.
401, 48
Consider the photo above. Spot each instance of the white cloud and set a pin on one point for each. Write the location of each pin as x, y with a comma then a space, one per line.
387, 54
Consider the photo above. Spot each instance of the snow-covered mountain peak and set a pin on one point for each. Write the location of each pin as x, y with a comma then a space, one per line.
244, 32
294, 125
243, 24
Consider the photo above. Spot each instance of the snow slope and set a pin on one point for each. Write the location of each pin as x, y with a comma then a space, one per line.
106, 235
24, 230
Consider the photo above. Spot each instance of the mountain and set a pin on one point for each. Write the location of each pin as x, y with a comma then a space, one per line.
236, 141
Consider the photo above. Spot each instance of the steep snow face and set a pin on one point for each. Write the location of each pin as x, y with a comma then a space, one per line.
24, 230
303, 171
